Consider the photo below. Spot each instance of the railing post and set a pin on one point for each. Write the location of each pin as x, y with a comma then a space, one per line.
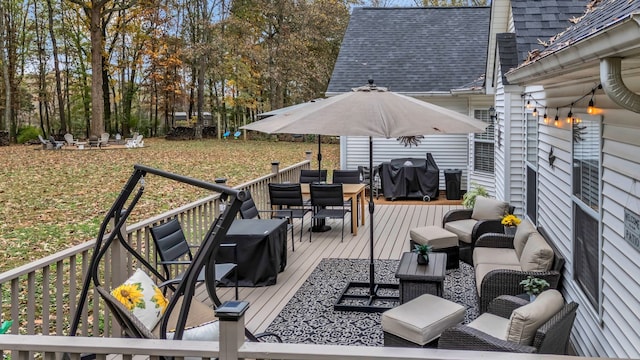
307, 155
231, 315
118, 267
275, 169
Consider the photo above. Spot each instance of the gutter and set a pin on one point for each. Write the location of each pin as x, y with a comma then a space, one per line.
614, 87
407, 93
619, 39
468, 91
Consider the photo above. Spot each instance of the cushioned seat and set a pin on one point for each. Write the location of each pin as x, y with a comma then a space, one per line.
462, 228
440, 239
420, 321
495, 256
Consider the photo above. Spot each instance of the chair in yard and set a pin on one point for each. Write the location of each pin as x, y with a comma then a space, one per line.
236, 135
328, 202
173, 250
55, 145
104, 139
310, 176
287, 200
249, 210
135, 143
513, 324
470, 224
226, 134
46, 144
70, 140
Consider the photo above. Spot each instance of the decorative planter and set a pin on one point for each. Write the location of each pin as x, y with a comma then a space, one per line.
423, 259
510, 230
532, 297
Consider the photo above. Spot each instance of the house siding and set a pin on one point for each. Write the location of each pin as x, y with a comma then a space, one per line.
449, 151
612, 329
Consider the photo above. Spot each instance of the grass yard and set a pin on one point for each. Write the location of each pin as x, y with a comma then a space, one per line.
51, 200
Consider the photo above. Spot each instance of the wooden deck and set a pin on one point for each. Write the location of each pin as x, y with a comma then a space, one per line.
392, 225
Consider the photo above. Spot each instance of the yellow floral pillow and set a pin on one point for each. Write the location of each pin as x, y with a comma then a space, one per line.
141, 295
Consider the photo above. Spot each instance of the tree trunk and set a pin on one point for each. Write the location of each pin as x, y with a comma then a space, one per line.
97, 100
56, 64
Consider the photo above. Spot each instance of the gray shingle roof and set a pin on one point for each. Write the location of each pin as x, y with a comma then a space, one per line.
603, 15
507, 52
412, 49
542, 20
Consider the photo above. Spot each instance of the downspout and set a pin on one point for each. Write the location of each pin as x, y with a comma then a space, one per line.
614, 87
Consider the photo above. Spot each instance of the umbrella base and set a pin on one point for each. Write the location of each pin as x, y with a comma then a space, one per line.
319, 226
357, 296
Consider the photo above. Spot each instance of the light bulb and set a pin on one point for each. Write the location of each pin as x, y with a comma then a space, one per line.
535, 112
569, 117
591, 108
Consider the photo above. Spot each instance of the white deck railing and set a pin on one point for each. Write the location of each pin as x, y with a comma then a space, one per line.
41, 297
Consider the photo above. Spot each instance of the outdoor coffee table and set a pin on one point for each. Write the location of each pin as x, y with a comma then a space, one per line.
416, 279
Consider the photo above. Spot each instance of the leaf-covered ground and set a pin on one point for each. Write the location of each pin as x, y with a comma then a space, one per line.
51, 200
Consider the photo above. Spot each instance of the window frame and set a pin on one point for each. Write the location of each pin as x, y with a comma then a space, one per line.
489, 138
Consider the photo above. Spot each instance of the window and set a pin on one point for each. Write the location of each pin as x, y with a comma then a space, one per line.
532, 139
586, 205
483, 159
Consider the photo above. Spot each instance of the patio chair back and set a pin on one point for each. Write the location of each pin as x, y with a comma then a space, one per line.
328, 202
346, 177
287, 195
69, 139
248, 209
553, 336
309, 176
171, 243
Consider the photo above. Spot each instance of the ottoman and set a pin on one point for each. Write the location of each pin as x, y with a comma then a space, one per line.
420, 321
440, 239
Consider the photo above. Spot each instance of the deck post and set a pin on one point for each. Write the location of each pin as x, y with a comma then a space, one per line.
275, 169
118, 267
231, 315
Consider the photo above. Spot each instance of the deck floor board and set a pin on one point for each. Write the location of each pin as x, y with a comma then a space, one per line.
391, 233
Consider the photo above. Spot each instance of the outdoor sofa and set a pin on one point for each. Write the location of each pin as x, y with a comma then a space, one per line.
502, 261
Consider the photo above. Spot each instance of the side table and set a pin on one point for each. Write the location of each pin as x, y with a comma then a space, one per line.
416, 279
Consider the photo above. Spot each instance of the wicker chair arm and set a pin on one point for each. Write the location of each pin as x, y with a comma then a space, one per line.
463, 337
456, 214
504, 305
486, 226
495, 240
507, 282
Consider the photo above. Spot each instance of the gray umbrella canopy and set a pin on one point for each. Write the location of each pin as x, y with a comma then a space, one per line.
374, 112
369, 111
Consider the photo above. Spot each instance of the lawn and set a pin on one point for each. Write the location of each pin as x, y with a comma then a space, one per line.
51, 200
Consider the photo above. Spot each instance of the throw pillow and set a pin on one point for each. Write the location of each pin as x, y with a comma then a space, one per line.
209, 331
489, 209
143, 298
537, 254
525, 320
523, 231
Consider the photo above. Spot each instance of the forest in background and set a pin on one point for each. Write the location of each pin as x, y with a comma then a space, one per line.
91, 66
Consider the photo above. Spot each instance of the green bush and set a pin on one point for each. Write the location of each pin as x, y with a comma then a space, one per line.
469, 198
27, 133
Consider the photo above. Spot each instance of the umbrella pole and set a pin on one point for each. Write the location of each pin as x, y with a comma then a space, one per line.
319, 158
372, 283
358, 300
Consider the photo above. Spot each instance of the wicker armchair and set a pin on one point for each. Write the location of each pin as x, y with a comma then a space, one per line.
550, 338
507, 281
469, 229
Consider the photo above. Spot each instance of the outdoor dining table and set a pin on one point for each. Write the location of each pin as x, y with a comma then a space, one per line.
351, 192
262, 251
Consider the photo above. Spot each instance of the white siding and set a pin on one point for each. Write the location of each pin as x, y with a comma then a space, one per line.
613, 329
449, 151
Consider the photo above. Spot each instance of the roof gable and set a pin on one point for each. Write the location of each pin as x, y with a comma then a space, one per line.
541, 20
507, 53
412, 49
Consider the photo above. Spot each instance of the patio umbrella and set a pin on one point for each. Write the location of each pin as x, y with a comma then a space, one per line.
374, 112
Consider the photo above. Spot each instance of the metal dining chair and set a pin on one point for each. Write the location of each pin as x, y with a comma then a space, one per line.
287, 198
328, 202
249, 210
310, 176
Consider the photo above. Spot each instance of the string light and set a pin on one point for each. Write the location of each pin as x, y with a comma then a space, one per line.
570, 115
571, 118
545, 117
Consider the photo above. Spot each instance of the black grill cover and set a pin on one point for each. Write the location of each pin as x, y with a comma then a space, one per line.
410, 178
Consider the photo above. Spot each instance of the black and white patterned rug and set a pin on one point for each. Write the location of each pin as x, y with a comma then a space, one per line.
309, 318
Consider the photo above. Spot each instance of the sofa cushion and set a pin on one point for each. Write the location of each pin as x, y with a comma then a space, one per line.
483, 269
199, 318
485, 255
462, 228
489, 209
525, 320
435, 236
537, 255
491, 324
522, 235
